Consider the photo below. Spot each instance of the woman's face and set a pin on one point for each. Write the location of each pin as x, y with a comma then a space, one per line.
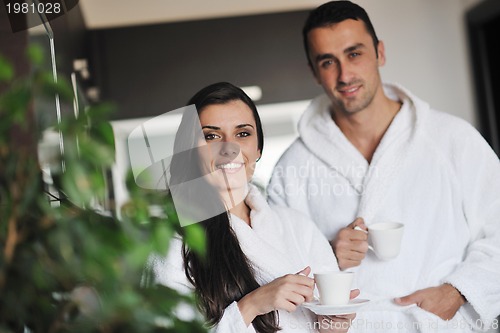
231, 136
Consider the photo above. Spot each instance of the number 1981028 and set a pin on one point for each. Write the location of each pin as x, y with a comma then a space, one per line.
25, 8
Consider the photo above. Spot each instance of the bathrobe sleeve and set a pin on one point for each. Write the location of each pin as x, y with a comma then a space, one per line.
169, 271
478, 276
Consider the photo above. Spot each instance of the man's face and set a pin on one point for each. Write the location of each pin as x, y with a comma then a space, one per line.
345, 63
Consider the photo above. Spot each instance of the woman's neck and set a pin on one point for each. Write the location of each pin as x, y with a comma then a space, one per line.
242, 211
234, 200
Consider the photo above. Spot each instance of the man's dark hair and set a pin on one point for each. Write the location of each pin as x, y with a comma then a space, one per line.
335, 12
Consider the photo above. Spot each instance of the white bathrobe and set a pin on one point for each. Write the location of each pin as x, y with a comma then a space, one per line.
281, 241
432, 172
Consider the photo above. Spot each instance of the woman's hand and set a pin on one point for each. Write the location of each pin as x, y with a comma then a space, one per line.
284, 293
337, 324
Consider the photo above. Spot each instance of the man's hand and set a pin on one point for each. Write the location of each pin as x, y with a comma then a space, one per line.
444, 301
350, 246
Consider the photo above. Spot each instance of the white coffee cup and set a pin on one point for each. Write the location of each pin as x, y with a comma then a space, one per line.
385, 239
334, 287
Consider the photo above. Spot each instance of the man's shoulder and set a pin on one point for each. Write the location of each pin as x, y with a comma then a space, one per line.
442, 126
437, 125
442, 118
454, 137
295, 154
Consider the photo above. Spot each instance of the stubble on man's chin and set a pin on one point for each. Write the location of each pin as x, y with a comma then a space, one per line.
338, 107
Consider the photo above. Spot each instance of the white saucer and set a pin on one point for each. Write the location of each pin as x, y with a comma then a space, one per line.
326, 310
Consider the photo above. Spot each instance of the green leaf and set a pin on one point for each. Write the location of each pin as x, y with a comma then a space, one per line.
96, 153
162, 236
61, 87
101, 112
6, 70
15, 104
35, 54
103, 132
76, 184
138, 255
194, 236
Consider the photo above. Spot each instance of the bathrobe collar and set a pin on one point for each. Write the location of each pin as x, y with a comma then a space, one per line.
326, 141
263, 241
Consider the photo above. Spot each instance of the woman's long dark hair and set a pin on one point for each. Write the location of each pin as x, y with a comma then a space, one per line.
225, 274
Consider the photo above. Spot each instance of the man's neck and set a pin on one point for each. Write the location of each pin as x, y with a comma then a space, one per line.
365, 129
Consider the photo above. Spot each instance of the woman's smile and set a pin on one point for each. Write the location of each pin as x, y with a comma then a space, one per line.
232, 167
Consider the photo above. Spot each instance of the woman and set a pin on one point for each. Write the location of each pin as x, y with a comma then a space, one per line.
256, 272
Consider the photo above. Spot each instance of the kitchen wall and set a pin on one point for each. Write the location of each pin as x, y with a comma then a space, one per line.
425, 40
426, 50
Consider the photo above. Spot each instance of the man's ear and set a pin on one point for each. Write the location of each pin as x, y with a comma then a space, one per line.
381, 53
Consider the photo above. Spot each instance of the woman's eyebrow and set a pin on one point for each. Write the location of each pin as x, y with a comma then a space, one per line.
218, 128
211, 127
244, 125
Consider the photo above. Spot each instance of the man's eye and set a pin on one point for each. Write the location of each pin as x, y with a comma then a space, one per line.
354, 54
327, 63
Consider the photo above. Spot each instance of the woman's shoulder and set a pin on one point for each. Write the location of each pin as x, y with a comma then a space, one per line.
281, 217
168, 269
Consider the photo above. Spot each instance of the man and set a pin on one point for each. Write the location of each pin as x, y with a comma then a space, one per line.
372, 152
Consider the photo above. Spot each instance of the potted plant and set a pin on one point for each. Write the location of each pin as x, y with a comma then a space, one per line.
70, 268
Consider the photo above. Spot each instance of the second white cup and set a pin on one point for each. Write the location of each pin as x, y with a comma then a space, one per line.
385, 239
334, 287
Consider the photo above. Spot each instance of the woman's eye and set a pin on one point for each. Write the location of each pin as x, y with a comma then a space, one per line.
211, 136
243, 134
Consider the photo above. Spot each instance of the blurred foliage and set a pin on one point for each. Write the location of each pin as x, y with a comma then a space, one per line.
69, 268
